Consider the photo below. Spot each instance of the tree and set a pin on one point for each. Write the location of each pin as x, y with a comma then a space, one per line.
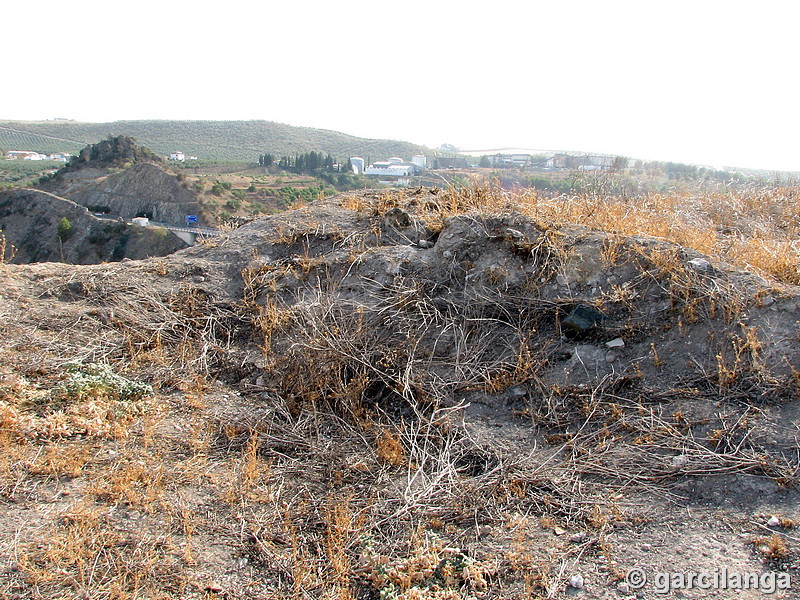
64, 229
620, 163
484, 162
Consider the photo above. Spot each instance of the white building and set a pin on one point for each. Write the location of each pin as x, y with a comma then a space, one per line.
177, 156
419, 161
388, 168
25, 155
358, 165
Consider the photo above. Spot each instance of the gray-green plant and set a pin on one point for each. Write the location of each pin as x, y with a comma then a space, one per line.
94, 380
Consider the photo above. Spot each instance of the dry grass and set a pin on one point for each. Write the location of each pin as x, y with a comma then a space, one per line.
754, 227
7, 251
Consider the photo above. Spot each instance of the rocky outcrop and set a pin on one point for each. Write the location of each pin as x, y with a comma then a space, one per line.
118, 150
44, 227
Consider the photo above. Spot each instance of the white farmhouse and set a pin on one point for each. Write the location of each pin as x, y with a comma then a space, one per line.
389, 168
24, 155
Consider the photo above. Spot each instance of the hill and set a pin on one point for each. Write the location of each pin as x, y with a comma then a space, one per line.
213, 140
142, 190
422, 395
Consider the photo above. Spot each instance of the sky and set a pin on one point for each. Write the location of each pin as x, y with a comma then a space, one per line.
703, 81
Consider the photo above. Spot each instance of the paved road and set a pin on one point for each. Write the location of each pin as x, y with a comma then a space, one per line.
197, 229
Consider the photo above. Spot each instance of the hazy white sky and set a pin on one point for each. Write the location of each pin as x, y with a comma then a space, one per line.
702, 81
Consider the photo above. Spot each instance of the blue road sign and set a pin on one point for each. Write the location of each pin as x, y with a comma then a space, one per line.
191, 219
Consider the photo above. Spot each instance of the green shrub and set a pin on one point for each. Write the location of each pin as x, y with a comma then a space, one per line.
220, 187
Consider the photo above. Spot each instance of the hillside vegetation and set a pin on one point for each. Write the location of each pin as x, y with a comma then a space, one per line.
212, 140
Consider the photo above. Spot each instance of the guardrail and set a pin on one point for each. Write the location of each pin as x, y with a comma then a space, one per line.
204, 231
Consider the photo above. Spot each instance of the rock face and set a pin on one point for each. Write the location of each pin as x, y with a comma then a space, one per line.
142, 190
29, 220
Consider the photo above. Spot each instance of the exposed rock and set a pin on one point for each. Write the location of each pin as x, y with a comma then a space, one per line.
143, 189
680, 461
118, 151
577, 582
30, 219
581, 321
701, 265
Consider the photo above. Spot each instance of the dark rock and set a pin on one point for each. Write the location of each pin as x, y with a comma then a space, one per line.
581, 321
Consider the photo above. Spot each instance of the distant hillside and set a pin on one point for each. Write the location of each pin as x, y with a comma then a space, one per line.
213, 140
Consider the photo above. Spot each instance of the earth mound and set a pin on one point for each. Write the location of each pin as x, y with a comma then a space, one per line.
420, 395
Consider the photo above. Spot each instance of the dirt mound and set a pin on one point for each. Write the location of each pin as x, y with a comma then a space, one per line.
499, 285
44, 227
427, 395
